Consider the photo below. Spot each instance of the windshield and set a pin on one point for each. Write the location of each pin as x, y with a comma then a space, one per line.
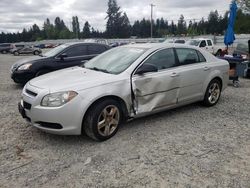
56, 50
115, 61
193, 42
242, 47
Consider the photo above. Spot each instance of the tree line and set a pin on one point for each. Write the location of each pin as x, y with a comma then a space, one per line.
119, 26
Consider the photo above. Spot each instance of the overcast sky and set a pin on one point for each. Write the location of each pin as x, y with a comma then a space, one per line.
18, 14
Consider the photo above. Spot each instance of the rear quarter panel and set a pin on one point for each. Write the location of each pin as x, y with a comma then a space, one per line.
219, 68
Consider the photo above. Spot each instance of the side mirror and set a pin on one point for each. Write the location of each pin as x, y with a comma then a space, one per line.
145, 68
62, 56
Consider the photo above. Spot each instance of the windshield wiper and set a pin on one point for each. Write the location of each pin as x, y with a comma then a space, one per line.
101, 70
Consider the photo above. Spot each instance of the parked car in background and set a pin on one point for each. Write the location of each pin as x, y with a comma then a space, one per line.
178, 41
41, 46
15, 47
5, 48
49, 45
242, 50
125, 82
63, 56
206, 44
100, 41
26, 50
116, 44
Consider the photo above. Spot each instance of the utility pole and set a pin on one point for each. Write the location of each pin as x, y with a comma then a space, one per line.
152, 6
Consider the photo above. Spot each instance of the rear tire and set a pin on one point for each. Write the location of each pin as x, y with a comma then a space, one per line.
36, 53
213, 93
219, 53
103, 119
4, 52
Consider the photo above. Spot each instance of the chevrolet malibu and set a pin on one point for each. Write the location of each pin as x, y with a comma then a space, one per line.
123, 83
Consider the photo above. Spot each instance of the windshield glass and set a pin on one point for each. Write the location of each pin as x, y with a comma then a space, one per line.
115, 61
56, 50
193, 42
242, 47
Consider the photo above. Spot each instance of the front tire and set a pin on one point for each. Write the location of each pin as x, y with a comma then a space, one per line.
213, 93
103, 119
16, 53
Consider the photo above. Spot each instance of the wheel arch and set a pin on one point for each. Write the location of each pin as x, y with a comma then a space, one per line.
213, 76
219, 79
116, 98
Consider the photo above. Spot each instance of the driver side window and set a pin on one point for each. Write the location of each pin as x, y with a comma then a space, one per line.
163, 59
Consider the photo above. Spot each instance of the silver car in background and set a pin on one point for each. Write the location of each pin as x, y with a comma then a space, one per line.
125, 82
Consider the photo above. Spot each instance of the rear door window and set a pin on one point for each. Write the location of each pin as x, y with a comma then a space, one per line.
19, 46
76, 51
96, 49
209, 42
201, 57
187, 56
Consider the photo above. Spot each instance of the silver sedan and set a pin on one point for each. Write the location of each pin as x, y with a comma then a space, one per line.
125, 82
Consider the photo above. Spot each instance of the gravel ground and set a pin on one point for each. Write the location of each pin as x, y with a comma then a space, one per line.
192, 146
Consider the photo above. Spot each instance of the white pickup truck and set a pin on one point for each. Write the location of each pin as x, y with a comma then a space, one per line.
206, 44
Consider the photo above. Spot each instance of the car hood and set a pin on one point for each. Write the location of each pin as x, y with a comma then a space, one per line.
74, 78
28, 60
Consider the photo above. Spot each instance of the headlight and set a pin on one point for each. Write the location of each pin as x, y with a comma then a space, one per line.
24, 67
58, 99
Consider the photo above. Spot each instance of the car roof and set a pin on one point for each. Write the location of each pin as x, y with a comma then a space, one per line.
201, 39
75, 43
160, 45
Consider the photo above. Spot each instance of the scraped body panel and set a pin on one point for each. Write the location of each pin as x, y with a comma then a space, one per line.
154, 91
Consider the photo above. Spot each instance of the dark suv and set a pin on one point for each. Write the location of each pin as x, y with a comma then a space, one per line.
63, 56
5, 48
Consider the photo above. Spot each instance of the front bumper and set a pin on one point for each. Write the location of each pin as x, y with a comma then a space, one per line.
22, 76
64, 120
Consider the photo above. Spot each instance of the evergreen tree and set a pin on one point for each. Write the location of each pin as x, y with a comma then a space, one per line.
48, 29
125, 27
113, 26
113, 15
242, 23
213, 23
136, 29
173, 28
76, 26
86, 30
35, 32
182, 27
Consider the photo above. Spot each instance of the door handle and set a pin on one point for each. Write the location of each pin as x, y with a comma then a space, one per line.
174, 74
206, 68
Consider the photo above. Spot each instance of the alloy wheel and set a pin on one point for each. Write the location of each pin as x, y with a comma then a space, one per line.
108, 120
214, 93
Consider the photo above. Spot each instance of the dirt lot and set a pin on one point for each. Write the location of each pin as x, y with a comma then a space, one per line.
192, 146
